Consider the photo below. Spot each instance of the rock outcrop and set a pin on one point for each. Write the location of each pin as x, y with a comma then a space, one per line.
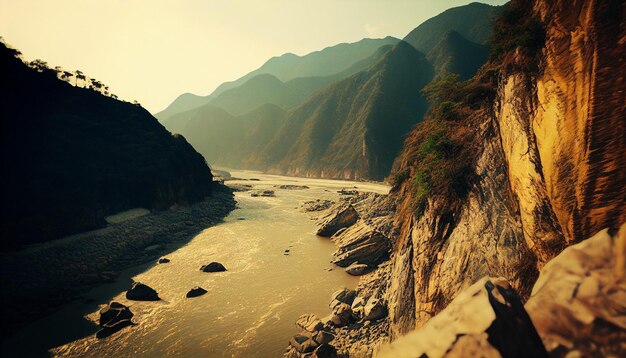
360, 243
579, 301
549, 171
338, 218
487, 319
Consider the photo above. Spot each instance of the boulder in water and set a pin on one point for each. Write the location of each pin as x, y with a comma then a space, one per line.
163, 260
196, 291
140, 292
213, 267
113, 317
113, 313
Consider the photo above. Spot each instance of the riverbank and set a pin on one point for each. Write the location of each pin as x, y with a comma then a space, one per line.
37, 280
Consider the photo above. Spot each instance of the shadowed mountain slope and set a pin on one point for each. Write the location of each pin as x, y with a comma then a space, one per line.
71, 156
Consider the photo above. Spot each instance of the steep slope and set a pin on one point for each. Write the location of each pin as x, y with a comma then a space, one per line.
472, 21
255, 92
226, 139
71, 156
327, 62
331, 60
353, 128
455, 54
549, 170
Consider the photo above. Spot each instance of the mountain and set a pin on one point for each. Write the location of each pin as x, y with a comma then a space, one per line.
71, 156
255, 92
226, 139
472, 21
327, 62
455, 54
352, 129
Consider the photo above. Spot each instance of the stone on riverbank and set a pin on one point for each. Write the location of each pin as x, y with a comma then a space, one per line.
163, 260
374, 310
303, 343
310, 323
341, 217
361, 243
213, 267
358, 269
141, 292
316, 205
195, 292
325, 351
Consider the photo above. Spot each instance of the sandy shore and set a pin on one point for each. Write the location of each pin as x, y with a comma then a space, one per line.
37, 280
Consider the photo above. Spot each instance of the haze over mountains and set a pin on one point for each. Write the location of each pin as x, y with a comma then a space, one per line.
319, 121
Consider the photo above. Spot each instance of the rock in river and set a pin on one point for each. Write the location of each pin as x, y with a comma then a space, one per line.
196, 291
339, 217
213, 267
114, 313
163, 260
113, 317
141, 292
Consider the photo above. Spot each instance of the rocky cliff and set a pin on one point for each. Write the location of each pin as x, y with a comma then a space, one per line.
549, 170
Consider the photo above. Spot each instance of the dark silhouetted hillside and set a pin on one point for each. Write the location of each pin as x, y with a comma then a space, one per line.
71, 156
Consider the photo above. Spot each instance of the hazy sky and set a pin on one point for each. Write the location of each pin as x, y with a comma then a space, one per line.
154, 50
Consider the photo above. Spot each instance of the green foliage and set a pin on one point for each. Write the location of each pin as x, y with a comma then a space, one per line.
442, 147
517, 28
396, 179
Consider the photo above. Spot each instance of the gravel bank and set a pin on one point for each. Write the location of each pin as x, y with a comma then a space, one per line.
38, 279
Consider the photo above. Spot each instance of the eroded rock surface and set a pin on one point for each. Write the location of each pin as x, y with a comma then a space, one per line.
337, 219
579, 301
487, 319
360, 242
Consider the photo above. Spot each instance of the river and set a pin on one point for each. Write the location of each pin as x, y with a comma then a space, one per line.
250, 310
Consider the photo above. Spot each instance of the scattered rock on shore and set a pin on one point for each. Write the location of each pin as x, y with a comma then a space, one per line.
141, 292
310, 323
374, 310
163, 260
303, 343
266, 193
361, 243
358, 269
293, 187
195, 292
213, 267
316, 205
